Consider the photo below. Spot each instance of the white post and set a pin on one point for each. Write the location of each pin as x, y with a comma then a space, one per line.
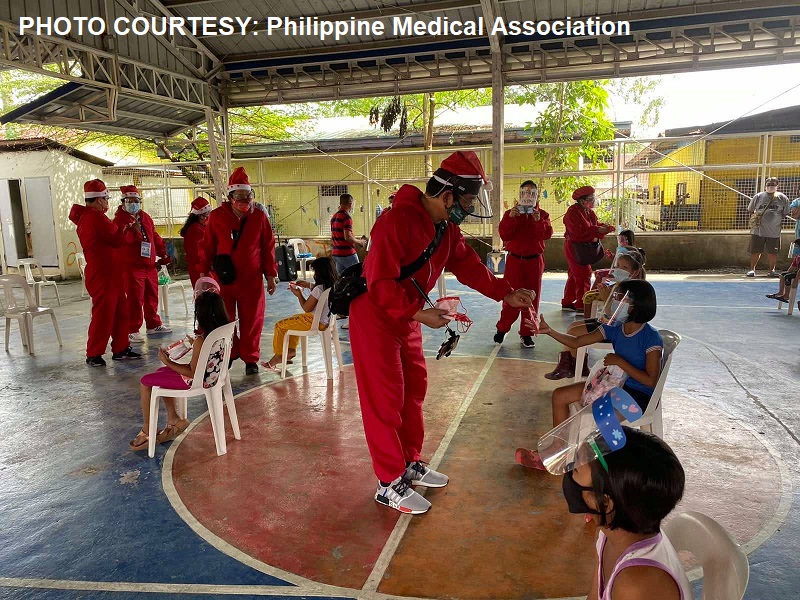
498, 146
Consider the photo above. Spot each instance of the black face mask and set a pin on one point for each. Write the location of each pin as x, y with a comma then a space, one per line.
573, 494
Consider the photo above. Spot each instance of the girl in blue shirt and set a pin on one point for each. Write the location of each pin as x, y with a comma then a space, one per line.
637, 351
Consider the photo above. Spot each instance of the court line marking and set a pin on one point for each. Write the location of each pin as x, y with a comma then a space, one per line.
392, 544
306, 587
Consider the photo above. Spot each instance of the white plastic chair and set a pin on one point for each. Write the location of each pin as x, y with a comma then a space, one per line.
29, 264
299, 245
792, 297
651, 420
329, 336
24, 312
182, 286
80, 259
581, 354
219, 391
726, 571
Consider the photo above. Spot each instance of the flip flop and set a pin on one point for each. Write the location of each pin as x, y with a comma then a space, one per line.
170, 432
141, 445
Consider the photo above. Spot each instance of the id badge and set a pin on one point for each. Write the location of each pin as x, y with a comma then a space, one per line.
146, 246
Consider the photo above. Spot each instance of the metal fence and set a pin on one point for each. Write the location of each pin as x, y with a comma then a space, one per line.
692, 183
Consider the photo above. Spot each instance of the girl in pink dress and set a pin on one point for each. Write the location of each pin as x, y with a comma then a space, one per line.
210, 313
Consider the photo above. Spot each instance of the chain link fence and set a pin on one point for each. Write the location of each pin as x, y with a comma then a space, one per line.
692, 183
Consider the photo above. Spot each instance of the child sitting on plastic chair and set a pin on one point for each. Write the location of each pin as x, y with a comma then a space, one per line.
628, 493
637, 351
210, 313
324, 277
789, 277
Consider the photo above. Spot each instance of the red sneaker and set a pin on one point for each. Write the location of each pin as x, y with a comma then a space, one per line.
530, 459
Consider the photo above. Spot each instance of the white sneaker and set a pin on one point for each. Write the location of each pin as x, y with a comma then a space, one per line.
751, 274
345, 326
159, 329
419, 474
135, 338
399, 496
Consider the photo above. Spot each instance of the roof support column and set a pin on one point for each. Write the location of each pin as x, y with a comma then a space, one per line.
219, 152
498, 147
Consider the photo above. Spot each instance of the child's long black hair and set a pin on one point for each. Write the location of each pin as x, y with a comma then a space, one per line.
324, 272
190, 220
209, 313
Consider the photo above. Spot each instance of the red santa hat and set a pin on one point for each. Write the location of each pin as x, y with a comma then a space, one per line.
582, 192
94, 188
200, 206
239, 181
129, 191
466, 164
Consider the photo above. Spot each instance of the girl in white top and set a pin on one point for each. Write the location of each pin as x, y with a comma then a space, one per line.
324, 277
628, 494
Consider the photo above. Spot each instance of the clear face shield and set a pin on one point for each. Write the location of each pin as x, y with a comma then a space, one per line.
528, 200
617, 308
591, 434
470, 199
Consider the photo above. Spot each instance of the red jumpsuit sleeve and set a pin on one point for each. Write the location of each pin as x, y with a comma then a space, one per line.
110, 232
466, 265
382, 269
209, 244
544, 229
508, 226
579, 227
268, 265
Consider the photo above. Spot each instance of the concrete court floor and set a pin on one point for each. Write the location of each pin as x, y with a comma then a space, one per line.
82, 517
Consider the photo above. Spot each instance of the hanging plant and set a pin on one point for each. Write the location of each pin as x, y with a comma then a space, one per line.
404, 122
391, 114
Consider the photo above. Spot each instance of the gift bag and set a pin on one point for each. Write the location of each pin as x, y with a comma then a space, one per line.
602, 379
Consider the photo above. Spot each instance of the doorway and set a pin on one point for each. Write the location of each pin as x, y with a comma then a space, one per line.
12, 222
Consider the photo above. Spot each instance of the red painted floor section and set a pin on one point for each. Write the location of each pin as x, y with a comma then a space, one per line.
296, 491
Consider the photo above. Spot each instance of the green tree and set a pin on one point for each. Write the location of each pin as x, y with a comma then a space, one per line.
417, 112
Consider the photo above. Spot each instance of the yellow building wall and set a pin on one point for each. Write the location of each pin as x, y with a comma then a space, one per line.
667, 181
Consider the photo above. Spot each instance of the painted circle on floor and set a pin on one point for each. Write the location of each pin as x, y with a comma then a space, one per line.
293, 498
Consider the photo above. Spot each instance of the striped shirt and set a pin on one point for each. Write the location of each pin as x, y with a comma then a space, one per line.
341, 222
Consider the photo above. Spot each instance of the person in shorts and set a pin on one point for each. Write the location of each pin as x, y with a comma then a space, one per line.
771, 206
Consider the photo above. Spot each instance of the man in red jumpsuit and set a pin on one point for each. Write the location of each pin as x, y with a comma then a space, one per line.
253, 256
385, 322
524, 230
144, 252
580, 225
104, 281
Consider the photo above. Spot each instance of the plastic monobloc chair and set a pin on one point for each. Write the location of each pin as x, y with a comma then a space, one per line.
80, 259
726, 571
25, 312
792, 297
29, 264
181, 285
329, 336
217, 392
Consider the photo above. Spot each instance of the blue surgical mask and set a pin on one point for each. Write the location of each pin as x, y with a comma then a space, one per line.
620, 275
133, 207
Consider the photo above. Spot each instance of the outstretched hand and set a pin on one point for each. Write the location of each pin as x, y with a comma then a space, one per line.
432, 317
520, 298
544, 328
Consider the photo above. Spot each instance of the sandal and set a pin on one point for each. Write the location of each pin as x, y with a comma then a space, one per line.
140, 445
170, 432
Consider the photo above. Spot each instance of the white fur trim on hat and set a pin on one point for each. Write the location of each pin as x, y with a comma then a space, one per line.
103, 194
202, 211
239, 186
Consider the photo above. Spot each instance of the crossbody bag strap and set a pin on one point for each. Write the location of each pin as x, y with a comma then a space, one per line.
408, 270
239, 234
766, 208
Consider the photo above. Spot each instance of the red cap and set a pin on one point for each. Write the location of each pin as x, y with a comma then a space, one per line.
94, 189
200, 206
582, 192
238, 180
466, 164
130, 191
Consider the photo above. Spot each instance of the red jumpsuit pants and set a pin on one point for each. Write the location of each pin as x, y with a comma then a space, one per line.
244, 300
109, 313
521, 273
392, 383
142, 289
579, 279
